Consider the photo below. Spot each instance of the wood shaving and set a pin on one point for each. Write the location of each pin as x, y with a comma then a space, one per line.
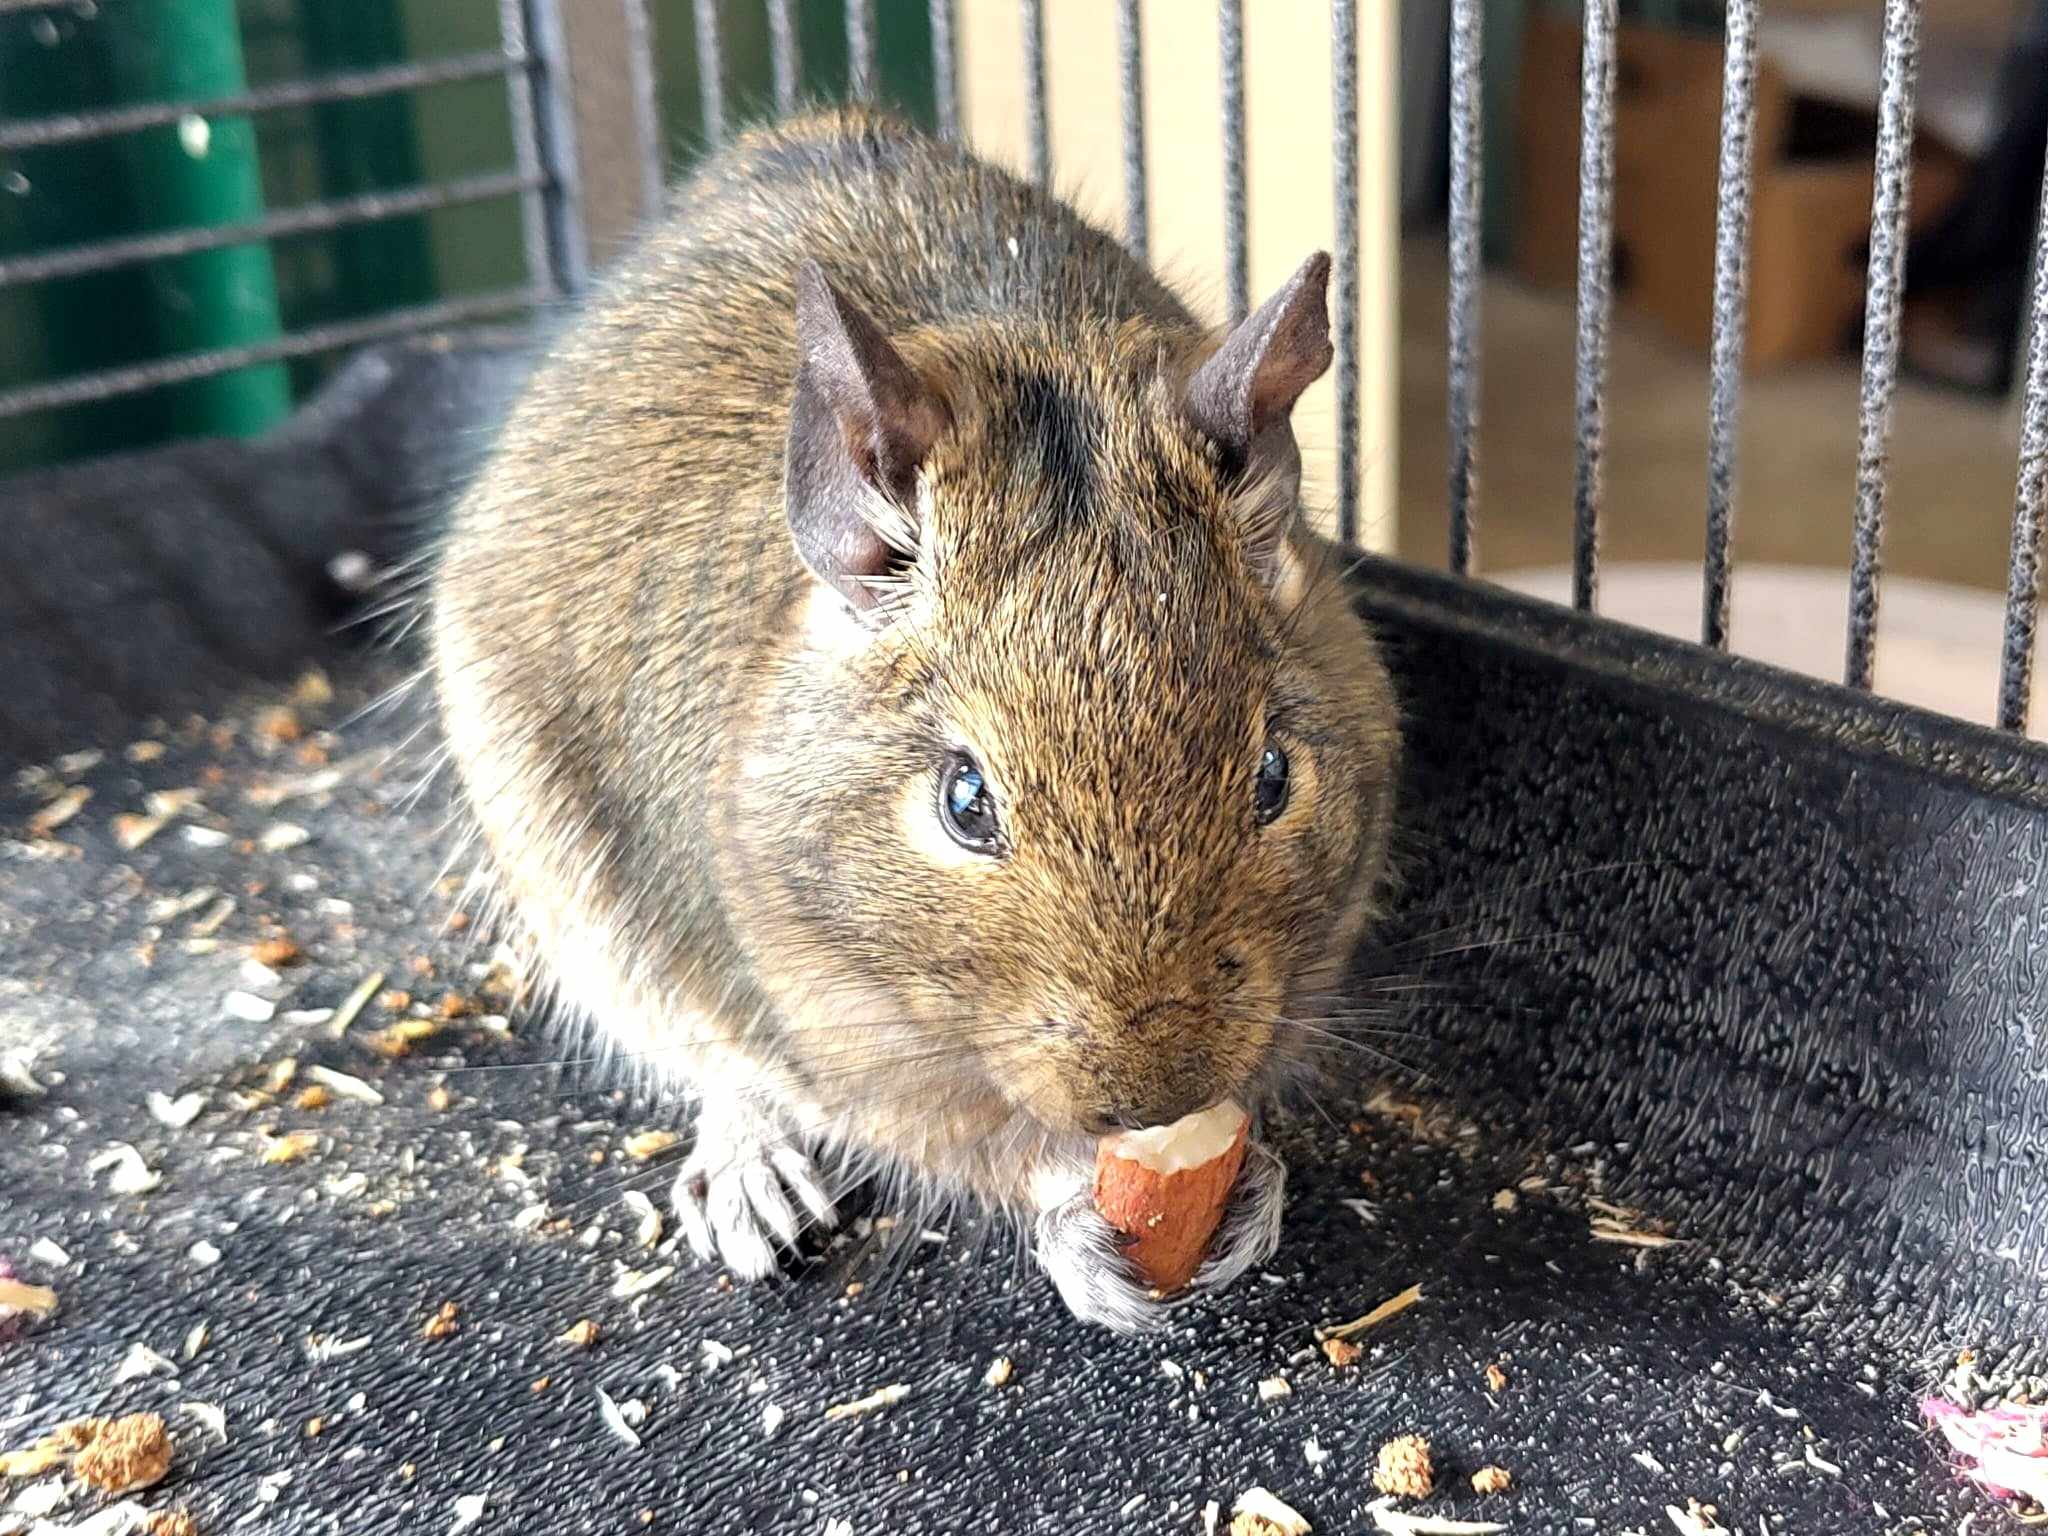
58, 811
1341, 1353
998, 1373
124, 1455
581, 1336
646, 1219
638, 1282
1696, 1520
397, 1040
281, 1075
1258, 1513
771, 1419
1391, 1307
615, 1421
1404, 1469
874, 1402
1313, 1453
343, 1086
323, 1347
443, 1323
289, 1148
468, 1510
282, 836
1397, 1523
142, 1361
19, 1296
203, 1253
247, 1007
1274, 1388
354, 1004
1492, 1480
176, 1113
210, 1418
132, 1176
48, 1251
132, 831
1604, 1231
711, 1355
209, 924
648, 1144
1496, 1379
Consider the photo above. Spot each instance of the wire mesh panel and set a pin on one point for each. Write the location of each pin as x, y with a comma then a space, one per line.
528, 60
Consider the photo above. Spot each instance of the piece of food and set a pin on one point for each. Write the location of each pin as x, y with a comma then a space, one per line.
1492, 1480
1258, 1513
1404, 1468
125, 1455
1165, 1189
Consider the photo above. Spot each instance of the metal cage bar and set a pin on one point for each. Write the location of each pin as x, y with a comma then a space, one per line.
534, 223
1037, 120
1236, 253
1465, 272
2030, 502
1344, 175
785, 55
1130, 54
945, 70
113, 382
860, 49
1731, 308
710, 70
1882, 300
313, 218
547, 80
646, 106
1595, 296
356, 85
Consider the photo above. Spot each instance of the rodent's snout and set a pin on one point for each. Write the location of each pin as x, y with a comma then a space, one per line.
1158, 1064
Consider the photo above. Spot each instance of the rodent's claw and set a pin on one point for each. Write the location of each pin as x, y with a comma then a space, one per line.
732, 1198
1250, 1233
1079, 1250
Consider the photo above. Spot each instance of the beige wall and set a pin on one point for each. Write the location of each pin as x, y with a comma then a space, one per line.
1288, 118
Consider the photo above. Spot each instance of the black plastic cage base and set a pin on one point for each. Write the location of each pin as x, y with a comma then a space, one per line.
1687, 949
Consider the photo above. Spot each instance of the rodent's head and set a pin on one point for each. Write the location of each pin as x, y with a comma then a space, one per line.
1081, 763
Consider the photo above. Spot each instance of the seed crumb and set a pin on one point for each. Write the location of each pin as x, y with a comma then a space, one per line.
124, 1454
395, 1001
442, 1324
289, 1149
1496, 1379
278, 950
1491, 1480
999, 1372
313, 1096
646, 1144
1341, 1352
542, 1384
314, 1426
170, 1522
1404, 1468
581, 1336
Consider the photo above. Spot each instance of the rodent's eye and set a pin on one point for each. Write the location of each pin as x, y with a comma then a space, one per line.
1269, 797
966, 806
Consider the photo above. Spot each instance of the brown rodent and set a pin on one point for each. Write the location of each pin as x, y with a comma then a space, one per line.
888, 665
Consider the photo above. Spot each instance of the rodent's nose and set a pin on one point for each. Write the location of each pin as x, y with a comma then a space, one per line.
1159, 1108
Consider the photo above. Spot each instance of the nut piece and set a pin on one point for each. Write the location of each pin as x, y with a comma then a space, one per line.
1491, 1480
129, 1453
580, 1336
1165, 1189
1404, 1468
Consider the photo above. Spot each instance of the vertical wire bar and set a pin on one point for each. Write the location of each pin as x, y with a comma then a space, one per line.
1465, 273
945, 87
1131, 66
1037, 124
2030, 505
554, 128
1130, 48
1596, 247
785, 56
526, 154
1882, 299
1236, 256
1731, 308
1344, 104
646, 106
860, 49
710, 71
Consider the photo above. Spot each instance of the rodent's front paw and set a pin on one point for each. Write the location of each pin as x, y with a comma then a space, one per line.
732, 1198
1082, 1254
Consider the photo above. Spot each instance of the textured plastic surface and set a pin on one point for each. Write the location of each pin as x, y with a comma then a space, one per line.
1755, 960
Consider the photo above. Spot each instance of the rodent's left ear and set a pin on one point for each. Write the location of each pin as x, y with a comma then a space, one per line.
1242, 396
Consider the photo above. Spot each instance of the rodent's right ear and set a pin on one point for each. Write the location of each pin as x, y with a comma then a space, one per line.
860, 424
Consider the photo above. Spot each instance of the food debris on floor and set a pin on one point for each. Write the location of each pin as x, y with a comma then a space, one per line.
615, 1420
1273, 1388
1341, 1353
1492, 1480
443, 1324
1398, 1522
1404, 1469
998, 1373
874, 1402
643, 1145
579, 1335
1393, 1306
1496, 1379
171, 1522
1258, 1512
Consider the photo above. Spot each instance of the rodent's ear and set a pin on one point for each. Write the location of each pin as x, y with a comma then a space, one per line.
860, 424
1240, 398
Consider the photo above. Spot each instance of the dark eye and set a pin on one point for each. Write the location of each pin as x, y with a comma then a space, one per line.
1269, 798
966, 806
